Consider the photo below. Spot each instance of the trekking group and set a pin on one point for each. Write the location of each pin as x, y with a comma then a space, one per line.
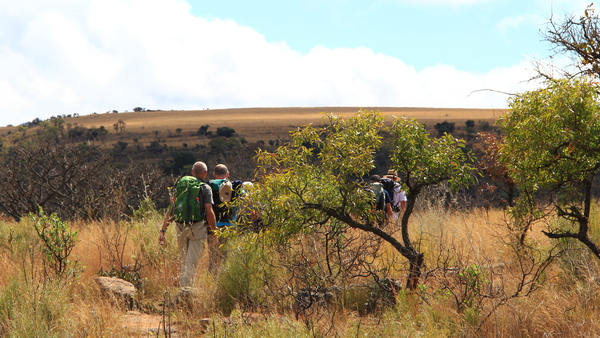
200, 207
389, 195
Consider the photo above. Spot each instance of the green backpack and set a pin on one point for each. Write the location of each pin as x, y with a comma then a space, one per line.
189, 206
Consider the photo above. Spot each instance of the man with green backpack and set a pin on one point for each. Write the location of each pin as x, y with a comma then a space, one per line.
191, 209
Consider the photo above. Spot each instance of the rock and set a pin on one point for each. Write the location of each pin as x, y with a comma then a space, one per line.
118, 290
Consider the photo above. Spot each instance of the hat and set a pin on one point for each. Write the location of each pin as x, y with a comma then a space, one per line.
392, 172
375, 178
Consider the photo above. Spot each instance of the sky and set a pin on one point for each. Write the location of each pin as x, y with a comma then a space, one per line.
63, 57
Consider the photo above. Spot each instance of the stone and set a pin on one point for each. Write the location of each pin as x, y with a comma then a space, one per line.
118, 290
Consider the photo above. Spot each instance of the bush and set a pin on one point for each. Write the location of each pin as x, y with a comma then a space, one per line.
203, 130
444, 128
222, 144
181, 160
225, 131
58, 241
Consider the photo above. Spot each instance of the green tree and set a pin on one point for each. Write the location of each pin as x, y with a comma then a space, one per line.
119, 126
423, 162
222, 144
315, 180
488, 146
225, 131
444, 128
203, 130
182, 159
470, 126
58, 241
552, 145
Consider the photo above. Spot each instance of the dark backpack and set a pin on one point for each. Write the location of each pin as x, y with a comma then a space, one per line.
390, 185
189, 206
378, 194
224, 192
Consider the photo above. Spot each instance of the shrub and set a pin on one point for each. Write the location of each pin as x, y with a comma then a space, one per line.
58, 241
225, 131
222, 144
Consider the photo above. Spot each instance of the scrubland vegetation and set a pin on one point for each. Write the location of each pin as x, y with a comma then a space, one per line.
499, 237
473, 271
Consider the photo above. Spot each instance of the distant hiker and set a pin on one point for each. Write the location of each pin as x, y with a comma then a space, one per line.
224, 192
382, 197
398, 196
191, 209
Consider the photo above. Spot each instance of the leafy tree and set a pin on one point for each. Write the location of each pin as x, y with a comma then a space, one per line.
96, 133
444, 128
423, 162
180, 160
314, 182
221, 144
203, 130
58, 241
484, 125
120, 146
225, 131
552, 145
119, 126
470, 126
489, 164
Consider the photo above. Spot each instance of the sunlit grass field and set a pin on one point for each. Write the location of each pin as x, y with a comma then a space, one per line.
469, 257
252, 124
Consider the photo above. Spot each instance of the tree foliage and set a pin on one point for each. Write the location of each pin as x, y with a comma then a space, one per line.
489, 164
225, 131
552, 144
444, 128
316, 181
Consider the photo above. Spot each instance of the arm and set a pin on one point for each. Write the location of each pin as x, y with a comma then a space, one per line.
388, 211
388, 206
211, 219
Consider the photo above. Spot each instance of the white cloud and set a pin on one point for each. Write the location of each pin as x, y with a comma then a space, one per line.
510, 23
118, 54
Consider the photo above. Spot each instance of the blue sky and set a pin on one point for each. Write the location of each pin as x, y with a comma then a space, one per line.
73, 56
475, 36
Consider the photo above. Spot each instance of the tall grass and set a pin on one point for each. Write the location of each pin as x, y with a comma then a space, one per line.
470, 263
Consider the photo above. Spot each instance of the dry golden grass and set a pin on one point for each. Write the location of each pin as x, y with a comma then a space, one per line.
254, 124
568, 305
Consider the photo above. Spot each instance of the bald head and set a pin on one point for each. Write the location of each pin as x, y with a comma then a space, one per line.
221, 171
199, 169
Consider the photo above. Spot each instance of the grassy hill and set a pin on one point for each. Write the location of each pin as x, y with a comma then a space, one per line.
252, 124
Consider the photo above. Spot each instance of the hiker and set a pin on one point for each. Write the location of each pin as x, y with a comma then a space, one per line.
383, 199
398, 197
223, 191
195, 221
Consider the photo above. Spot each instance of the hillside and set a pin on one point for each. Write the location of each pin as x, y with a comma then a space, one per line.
253, 124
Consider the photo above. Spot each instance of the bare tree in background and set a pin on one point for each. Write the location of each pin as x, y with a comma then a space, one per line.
578, 37
74, 181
